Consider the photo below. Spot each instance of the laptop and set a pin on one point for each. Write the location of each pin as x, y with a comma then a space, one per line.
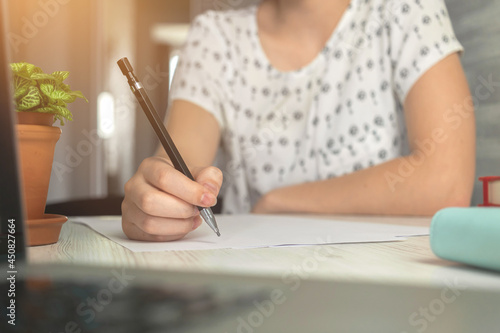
75, 298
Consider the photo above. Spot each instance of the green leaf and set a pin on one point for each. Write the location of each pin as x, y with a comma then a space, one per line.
25, 76
43, 77
30, 101
47, 88
47, 109
20, 93
25, 69
64, 112
21, 83
61, 76
78, 94
56, 95
21, 68
17, 67
66, 87
36, 91
32, 69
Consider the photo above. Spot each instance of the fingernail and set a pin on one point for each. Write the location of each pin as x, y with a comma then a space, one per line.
208, 199
211, 187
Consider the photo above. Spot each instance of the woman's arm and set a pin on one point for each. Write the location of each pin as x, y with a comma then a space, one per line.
438, 173
195, 133
160, 201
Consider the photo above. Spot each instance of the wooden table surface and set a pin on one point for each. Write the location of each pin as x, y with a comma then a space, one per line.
408, 262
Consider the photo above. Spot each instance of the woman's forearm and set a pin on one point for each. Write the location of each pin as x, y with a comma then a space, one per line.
397, 187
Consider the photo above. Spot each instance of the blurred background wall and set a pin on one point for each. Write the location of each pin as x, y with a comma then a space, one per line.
101, 149
478, 29
64, 35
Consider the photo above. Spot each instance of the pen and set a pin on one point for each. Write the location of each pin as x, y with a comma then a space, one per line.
161, 132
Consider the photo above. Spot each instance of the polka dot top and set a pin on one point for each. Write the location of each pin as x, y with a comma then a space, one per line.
340, 113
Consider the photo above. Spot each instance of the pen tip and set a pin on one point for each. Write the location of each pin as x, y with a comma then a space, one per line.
218, 233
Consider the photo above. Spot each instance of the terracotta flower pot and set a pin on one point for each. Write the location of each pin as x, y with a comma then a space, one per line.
37, 140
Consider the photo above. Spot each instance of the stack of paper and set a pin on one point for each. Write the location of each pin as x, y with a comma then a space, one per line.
252, 231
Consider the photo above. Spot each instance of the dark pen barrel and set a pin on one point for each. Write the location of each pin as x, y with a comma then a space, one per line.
153, 118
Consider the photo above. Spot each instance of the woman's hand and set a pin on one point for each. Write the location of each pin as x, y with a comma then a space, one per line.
160, 202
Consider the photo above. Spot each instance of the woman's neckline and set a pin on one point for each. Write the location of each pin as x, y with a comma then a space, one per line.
310, 64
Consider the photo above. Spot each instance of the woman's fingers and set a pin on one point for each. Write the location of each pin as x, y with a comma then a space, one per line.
154, 202
160, 202
160, 174
140, 226
209, 177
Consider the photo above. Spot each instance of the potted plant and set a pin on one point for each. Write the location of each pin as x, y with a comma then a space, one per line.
40, 99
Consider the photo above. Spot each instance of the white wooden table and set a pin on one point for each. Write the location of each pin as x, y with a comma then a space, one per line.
408, 262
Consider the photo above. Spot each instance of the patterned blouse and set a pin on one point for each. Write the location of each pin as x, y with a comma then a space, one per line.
340, 113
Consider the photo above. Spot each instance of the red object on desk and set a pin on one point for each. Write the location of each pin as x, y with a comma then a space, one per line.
486, 185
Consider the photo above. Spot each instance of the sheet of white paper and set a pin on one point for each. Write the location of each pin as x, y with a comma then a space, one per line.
252, 231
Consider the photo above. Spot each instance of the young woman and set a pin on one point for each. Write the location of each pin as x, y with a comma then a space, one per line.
332, 107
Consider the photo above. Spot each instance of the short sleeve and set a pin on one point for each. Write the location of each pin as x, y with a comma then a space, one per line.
421, 36
197, 76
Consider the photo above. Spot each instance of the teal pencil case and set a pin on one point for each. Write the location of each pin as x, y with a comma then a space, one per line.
467, 235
